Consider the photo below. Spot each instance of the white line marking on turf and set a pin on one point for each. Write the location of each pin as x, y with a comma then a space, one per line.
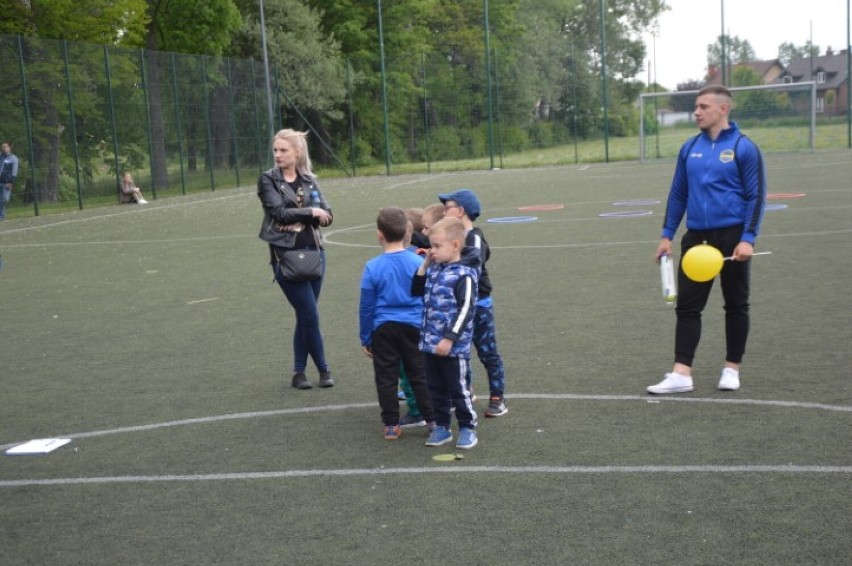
546, 396
730, 401
134, 210
211, 419
202, 301
458, 469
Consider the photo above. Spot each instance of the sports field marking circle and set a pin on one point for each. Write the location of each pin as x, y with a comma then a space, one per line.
646, 202
775, 206
626, 214
784, 195
512, 219
541, 207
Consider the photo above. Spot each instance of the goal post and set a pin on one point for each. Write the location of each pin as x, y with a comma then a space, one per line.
779, 117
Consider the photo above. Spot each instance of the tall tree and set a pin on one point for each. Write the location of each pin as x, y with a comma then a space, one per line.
183, 26
737, 51
305, 59
568, 32
788, 51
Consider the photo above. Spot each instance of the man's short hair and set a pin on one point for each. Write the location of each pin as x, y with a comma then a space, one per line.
718, 90
392, 223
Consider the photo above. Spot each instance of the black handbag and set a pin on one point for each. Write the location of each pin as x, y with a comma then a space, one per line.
301, 264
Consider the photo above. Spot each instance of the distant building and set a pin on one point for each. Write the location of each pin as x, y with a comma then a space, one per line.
768, 71
829, 73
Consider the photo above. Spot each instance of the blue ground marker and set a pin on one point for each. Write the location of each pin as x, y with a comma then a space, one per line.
512, 219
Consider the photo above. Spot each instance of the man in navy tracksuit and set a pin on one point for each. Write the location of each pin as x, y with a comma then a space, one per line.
720, 184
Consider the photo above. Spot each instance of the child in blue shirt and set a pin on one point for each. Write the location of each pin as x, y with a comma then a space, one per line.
449, 295
390, 318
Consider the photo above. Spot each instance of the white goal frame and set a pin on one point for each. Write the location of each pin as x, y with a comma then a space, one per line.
783, 87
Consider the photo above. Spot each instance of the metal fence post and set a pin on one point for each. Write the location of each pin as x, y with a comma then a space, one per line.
177, 120
351, 115
426, 114
28, 123
112, 121
73, 124
210, 162
144, 74
384, 91
233, 121
256, 122
488, 85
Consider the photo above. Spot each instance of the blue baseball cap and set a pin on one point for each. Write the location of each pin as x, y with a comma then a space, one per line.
466, 198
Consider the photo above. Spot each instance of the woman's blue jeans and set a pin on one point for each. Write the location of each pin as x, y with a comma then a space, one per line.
307, 339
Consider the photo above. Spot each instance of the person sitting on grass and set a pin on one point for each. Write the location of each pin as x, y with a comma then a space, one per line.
390, 318
130, 193
448, 288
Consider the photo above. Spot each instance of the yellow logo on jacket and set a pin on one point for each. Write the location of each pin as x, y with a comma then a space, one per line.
726, 156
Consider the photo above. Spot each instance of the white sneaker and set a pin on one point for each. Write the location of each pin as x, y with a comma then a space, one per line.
730, 380
672, 383
142, 201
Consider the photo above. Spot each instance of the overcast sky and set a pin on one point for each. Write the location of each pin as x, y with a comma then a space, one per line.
690, 25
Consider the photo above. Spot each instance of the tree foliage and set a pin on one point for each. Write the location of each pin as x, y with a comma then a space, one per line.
114, 22
192, 26
541, 82
788, 51
736, 50
308, 60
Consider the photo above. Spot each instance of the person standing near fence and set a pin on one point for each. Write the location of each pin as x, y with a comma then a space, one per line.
294, 209
720, 184
8, 175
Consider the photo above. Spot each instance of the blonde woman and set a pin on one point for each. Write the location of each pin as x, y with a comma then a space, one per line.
130, 193
294, 209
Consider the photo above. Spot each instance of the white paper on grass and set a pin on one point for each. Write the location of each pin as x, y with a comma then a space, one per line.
38, 446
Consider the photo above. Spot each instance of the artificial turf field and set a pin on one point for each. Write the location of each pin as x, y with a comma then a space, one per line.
154, 337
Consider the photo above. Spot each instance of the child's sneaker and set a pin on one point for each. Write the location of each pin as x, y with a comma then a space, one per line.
496, 407
440, 436
401, 395
408, 421
467, 438
392, 432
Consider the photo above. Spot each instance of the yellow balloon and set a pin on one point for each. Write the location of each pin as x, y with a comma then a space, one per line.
702, 263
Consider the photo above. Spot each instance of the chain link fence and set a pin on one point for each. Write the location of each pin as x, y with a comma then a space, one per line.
80, 115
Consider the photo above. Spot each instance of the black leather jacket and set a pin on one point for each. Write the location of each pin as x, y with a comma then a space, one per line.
281, 207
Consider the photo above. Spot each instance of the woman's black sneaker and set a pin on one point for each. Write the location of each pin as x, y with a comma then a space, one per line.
326, 379
300, 381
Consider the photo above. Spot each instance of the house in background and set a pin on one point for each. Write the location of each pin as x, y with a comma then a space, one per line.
829, 73
768, 71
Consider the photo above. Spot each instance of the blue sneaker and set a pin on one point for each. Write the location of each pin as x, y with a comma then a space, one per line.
440, 436
467, 438
401, 395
